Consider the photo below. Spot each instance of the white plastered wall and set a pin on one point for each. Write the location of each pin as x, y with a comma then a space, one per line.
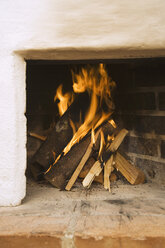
53, 29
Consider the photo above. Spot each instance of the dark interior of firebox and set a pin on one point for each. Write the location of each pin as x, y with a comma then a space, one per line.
139, 106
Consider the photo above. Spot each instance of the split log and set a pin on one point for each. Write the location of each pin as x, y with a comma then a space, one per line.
94, 171
130, 172
81, 164
87, 168
106, 156
37, 136
98, 179
118, 140
66, 165
108, 168
61, 133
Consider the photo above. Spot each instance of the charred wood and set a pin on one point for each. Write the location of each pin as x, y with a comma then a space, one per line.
61, 134
66, 165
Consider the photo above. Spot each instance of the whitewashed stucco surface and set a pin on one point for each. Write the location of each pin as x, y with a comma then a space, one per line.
65, 29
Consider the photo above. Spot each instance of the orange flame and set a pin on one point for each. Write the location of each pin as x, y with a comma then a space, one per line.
98, 84
65, 100
112, 123
93, 136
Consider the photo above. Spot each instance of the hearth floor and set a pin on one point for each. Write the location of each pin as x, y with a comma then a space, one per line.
130, 215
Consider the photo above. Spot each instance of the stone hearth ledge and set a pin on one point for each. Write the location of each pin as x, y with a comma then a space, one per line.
130, 216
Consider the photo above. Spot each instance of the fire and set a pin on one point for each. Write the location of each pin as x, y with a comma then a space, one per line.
65, 100
93, 137
99, 86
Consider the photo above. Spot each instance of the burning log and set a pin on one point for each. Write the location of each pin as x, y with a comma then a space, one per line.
81, 164
118, 140
78, 155
69, 146
59, 136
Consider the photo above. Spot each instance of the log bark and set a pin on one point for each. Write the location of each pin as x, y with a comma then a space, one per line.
65, 166
61, 134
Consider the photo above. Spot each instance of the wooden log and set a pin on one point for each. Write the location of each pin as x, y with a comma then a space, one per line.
94, 171
88, 165
106, 156
37, 136
133, 174
97, 179
61, 133
108, 168
118, 140
114, 145
81, 164
66, 165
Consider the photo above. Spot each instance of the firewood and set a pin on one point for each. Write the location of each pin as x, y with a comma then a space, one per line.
61, 134
108, 168
98, 179
133, 174
88, 165
81, 164
90, 162
94, 171
118, 140
37, 171
37, 136
62, 171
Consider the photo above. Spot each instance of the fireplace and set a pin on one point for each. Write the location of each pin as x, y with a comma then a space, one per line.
129, 38
120, 33
139, 100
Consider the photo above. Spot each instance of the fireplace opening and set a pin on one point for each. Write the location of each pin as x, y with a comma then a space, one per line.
139, 108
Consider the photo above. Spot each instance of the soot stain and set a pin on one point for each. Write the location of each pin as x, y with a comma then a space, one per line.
118, 202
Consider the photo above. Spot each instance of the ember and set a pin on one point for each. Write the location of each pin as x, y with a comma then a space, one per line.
85, 132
